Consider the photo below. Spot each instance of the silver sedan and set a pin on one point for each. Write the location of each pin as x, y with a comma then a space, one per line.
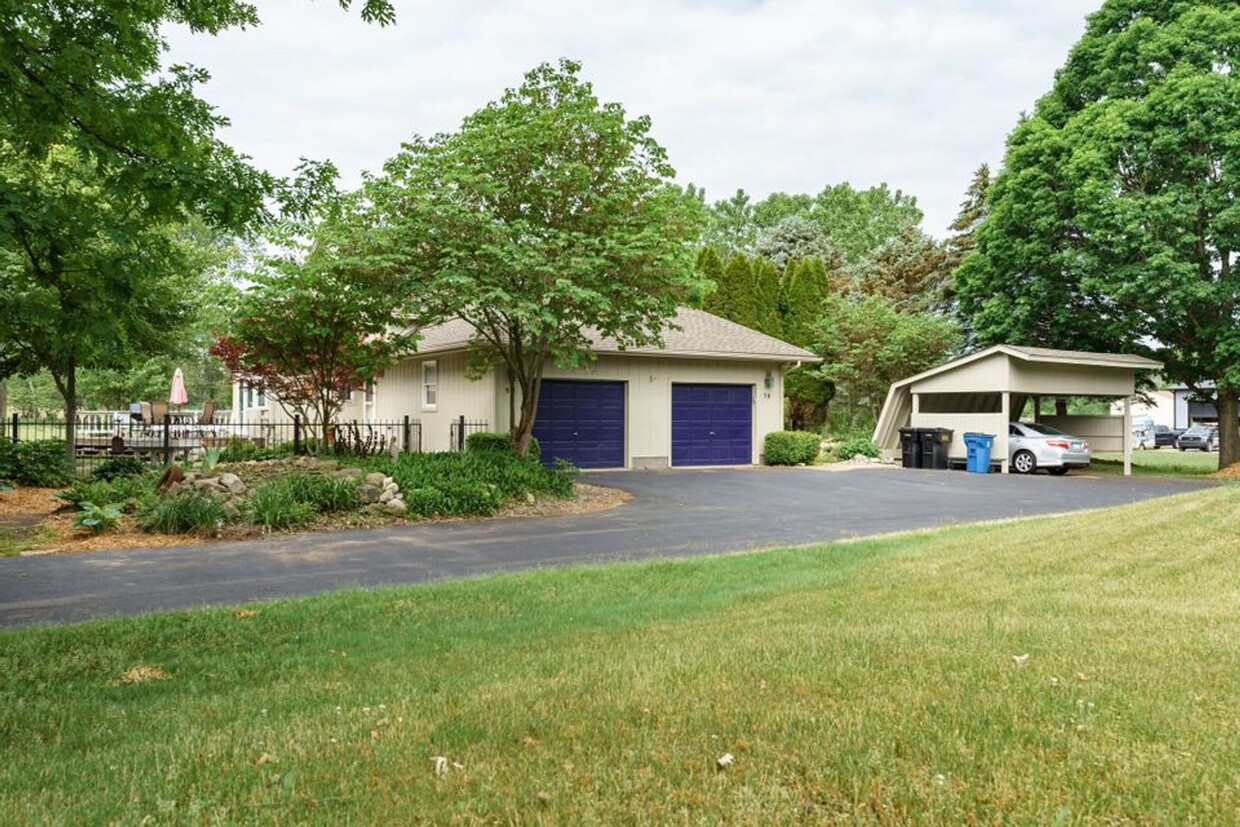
1032, 445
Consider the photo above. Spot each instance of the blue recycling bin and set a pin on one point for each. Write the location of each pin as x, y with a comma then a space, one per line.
979, 447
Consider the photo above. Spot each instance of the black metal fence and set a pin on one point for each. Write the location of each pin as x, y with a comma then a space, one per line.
462, 428
99, 437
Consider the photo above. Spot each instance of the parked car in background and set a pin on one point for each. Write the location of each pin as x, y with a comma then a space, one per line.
1166, 436
1199, 437
1032, 445
1144, 438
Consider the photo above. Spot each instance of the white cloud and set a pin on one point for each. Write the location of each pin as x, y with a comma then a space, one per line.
778, 95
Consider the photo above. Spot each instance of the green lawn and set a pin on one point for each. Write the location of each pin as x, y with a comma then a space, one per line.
1160, 462
873, 681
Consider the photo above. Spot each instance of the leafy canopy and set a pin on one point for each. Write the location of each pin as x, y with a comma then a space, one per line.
546, 219
1115, 221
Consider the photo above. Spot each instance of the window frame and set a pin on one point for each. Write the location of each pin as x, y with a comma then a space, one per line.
430, 401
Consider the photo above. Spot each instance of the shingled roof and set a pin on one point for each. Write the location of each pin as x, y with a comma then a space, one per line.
693, 334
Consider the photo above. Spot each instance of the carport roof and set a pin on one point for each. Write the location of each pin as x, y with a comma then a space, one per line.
691, 334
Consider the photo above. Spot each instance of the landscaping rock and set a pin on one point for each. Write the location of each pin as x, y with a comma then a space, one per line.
368, 493
328, 465
396, 506
376, 479
209, 485
232, 482
351, 472
230, 509
387, 496
189, 478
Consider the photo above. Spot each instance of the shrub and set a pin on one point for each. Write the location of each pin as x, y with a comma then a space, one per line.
115, 467
123, 491
97, 519
274, 504
860, 446
243, 450
38, 464
470, 483
791, 447
486, 441
323, 493
188, 512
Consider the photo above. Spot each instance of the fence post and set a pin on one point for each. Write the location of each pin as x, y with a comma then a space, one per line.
460, 434
296, 435
167, 441
15, 421
405, 434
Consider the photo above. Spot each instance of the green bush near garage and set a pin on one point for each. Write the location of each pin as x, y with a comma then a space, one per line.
791, 447
488, 441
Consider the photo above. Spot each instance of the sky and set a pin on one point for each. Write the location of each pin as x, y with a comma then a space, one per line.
760, 95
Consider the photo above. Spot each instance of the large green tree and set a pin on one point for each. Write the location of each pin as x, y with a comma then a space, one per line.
1115, 221
867, 343
548, 217
86, 279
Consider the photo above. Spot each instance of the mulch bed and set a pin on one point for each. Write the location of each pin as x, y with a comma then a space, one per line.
35, 513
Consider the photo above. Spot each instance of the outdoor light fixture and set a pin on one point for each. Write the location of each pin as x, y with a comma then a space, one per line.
768, 381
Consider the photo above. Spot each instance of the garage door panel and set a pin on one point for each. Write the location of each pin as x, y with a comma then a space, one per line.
582, 422
712, 424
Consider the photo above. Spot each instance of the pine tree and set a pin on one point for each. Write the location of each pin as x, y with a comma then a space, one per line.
764, 297
709, 266
972, 212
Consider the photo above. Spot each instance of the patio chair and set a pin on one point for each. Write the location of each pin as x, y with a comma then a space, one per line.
206, 420
159, 415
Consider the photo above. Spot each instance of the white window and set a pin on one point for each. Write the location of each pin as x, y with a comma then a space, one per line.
262, 399
430, 385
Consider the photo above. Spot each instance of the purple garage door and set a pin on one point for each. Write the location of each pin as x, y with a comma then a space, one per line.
712, 425
583, 422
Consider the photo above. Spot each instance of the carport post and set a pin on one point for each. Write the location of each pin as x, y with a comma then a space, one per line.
1001, 438
1127, 436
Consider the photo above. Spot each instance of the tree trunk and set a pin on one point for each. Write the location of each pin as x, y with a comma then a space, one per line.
1228, 426
4, 401
70, 394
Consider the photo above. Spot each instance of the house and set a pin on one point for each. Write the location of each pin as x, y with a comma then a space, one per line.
985, 391
708, 396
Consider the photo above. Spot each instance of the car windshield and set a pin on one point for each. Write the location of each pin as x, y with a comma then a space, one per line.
1197, 430
1039, 428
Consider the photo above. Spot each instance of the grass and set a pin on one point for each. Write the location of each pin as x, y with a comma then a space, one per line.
872, 681
1161, 462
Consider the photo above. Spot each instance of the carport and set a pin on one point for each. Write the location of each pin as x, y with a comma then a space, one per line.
985, 391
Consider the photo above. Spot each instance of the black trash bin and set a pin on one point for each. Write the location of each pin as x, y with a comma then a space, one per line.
910, 447
935, 444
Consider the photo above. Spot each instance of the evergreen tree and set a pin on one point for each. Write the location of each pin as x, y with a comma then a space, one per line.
910, 269
709, 267
764, 297
972, 212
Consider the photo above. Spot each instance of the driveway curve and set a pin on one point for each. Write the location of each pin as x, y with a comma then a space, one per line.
672, 514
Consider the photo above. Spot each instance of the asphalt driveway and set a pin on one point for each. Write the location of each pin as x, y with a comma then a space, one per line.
672, 514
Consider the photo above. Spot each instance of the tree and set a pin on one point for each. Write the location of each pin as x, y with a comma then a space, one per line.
547, 219
1114, 222
86, 279
867, 343
794, 238
709, 268
730, 226
314, 327
858, 222
909, 268
972, 211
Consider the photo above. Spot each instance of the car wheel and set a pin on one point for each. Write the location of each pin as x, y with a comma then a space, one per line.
1024, 462
1181, 448
1058, 472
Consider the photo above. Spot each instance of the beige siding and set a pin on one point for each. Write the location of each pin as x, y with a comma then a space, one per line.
399, 393
990, 373
648, 415
1075, 380
1103, 433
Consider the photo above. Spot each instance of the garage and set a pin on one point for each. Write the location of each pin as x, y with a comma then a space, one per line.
712, 424
582, 422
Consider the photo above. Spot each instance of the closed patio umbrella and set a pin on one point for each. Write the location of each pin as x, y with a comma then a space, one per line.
178, 396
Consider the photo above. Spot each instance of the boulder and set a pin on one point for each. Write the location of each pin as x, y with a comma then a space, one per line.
395, 507
351, 472
209, 484
232, 482
387, 496
368, 493
376, 479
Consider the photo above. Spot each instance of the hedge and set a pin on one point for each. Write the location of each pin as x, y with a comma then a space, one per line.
791, 447
487, 441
